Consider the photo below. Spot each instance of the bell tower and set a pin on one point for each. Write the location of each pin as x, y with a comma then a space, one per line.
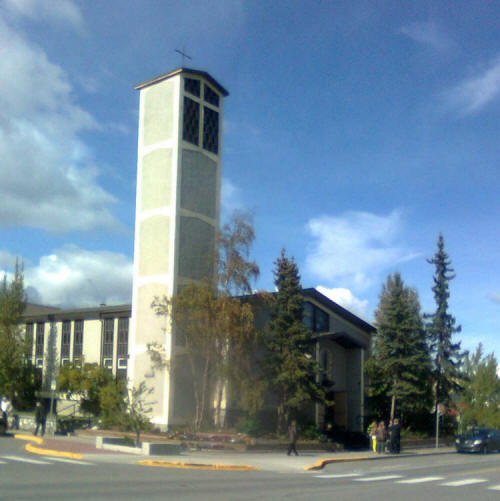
177, 213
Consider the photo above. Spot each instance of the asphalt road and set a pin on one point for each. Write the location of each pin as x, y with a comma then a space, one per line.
446, 477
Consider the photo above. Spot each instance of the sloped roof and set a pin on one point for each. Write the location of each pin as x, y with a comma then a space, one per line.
191, 71
339, 310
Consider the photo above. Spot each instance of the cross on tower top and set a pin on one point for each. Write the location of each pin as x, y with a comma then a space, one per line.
183, 54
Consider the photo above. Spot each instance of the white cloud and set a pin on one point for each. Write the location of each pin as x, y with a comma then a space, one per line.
346, 299
353, 248
7, 263
48, 178
428, 33
63, 12
230, 196
475, 92
74, 277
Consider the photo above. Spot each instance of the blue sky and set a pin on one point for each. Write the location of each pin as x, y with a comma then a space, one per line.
355, 131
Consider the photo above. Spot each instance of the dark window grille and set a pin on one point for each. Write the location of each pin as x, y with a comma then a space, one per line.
40, 338
78, 340
191, 123
192, 86
211, 96
65, 338
107, 340
211, 130
122, 337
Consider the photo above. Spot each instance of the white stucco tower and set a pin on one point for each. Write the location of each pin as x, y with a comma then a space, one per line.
177, 211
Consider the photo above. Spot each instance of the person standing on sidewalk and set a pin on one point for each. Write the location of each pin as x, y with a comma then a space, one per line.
40, 419
372, 433
381, 437
292, 437
395, 434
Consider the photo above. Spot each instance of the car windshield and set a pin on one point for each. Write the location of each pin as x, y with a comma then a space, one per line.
476, 433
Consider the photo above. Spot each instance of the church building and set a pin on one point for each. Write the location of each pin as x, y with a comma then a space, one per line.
177, 216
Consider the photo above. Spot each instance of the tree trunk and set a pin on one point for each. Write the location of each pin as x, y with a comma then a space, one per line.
393, 406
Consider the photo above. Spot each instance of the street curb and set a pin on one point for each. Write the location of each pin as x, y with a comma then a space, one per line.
45, 452
30, 438
320, 464
51, 452
198, 466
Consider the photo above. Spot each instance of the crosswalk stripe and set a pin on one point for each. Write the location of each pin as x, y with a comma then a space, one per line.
3, 462
67, 460
466, 481
494, 488
376, 479
420, 480
340, 475
25, 460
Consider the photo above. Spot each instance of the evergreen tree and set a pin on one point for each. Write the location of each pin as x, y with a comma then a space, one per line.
17, 375
446, 355
479, 401
292, 369
400, 365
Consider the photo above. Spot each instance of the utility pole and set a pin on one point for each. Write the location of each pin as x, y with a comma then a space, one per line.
437, 424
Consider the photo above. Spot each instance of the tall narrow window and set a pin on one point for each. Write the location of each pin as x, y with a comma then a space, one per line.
78, 340
107, 342
191, 123
122, 337
122, 349
211, 130
308, 315
65, 339
40, 339
29, 341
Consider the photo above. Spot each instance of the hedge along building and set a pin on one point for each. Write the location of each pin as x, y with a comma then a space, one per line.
177, 212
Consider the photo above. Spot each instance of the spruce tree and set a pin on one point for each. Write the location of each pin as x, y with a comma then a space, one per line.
400, 365
292, 369
446, 355
17, 375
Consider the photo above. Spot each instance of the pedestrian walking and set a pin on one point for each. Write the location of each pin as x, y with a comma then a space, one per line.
40, 419
5, 406
292, 438
381, 437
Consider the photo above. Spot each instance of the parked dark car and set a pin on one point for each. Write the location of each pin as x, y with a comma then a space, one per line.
478, 440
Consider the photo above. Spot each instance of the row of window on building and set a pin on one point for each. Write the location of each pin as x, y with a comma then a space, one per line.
71, 346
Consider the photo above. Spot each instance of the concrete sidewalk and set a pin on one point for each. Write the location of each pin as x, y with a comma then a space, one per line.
83, 447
